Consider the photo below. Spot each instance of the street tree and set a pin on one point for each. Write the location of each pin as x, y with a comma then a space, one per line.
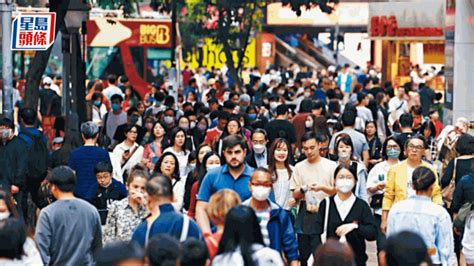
230, 23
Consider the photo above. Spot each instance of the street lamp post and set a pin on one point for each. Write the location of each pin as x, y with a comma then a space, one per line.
7, 101
73, 81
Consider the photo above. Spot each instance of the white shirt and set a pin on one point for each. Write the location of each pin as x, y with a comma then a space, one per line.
397, 105
410, 190
468, 239
112, 90
182, 160
56, 88
116, 159
344, 207
373, 179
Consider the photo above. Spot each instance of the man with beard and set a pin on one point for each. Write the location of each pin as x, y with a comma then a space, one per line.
234, 175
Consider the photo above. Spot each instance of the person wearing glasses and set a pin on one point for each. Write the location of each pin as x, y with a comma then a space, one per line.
399, 178
127, 154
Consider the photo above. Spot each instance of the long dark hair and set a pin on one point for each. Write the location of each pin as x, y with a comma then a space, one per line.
241, 229
157, 169
272, 162
203, 169
173, 134
225, 133
198, 163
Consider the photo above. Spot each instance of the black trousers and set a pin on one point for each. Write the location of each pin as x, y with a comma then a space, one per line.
307, 246
381, 238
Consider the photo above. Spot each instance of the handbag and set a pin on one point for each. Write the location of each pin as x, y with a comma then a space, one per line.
449, 190
376, 201
460, 219
324, 235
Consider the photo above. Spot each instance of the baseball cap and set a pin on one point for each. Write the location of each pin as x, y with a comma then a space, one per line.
47, 80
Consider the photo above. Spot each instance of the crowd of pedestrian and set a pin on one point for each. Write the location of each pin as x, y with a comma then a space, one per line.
272, 170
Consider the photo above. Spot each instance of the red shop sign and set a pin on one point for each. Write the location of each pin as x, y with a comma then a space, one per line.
383, 26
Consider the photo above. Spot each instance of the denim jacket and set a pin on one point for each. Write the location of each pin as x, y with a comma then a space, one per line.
432, 222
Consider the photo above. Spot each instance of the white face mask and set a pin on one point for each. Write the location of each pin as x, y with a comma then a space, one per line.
261, 193
259, 148
344, 185
4, 215
212, 166
307, 94
308, 124
192, 124
344, 156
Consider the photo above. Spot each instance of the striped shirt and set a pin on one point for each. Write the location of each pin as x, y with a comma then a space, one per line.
263, 217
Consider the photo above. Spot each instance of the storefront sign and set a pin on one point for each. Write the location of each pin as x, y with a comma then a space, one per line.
420, 19
381, 26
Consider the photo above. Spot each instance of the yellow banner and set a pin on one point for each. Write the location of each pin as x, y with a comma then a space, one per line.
213, 56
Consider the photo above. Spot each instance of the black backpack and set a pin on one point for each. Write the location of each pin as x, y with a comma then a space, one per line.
37, 157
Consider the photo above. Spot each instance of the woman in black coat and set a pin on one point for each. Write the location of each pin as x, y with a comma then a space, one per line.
349, 218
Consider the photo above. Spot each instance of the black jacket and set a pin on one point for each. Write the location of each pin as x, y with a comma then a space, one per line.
13, 163
101, 197
250, 158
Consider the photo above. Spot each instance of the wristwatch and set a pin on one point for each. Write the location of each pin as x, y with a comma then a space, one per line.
304, 189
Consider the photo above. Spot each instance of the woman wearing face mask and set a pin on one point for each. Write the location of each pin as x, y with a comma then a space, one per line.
193, 175
178, 148
98, 109
376, 182
168, 166
210, 160
154, 148
199, 131
169, 118
148, 126
349, 218
31, 254
345, 150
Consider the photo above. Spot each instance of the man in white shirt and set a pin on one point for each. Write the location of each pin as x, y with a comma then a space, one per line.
397, 106
312, 181
112, 88
362, 111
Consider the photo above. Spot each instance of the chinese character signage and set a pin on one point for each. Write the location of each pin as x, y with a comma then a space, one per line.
33, 31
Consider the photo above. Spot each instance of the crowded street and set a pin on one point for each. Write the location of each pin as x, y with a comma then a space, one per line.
197, 133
